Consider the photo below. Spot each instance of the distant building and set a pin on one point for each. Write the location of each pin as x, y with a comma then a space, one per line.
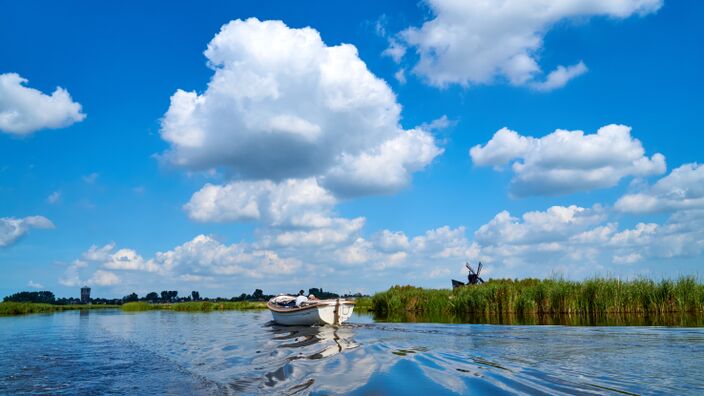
85, 295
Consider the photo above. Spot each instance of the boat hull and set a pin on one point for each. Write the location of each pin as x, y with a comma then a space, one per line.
331, 312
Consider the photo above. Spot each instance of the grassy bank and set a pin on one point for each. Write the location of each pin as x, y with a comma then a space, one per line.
363, 304
196, 306
16, 308
547, 297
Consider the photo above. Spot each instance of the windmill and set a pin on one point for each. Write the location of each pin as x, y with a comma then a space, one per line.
473, 278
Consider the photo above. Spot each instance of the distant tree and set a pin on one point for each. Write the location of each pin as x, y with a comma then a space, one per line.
130, 298
169, 295
241, 297
151, 297
258, 294
67, 301
45, 297
195, 296
319, 293
114, 301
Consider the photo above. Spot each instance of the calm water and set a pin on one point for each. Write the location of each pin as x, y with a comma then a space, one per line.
111, 352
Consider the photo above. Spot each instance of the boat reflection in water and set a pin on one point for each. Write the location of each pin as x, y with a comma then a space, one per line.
311, 355
330, 340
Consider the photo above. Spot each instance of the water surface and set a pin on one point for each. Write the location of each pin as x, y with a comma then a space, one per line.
162, 352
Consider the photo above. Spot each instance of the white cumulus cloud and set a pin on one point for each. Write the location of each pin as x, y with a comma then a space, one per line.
294, 211
389, 241
201, 258
476, 42
282, 104
98, 253
71, 276
573, 241
682, 189
384, 169
97, 265
12, 229
443, 249
335, 231
538, 226
579, 242
559, 77
54, 197
341, 256
35, 285
296, 202
206, 256
103, 278
128, 259
565, 162
24, 110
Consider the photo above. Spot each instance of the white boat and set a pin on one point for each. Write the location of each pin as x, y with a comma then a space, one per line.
333, 312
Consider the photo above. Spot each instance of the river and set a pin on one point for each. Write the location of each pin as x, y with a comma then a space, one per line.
163, 352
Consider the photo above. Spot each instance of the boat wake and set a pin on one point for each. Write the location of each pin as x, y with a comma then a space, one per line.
161, 352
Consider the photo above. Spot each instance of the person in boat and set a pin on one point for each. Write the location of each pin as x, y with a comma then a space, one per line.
301, 298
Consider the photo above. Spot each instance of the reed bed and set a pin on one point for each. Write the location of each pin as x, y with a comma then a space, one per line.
597, 296
363, 304
196, 306
21, 308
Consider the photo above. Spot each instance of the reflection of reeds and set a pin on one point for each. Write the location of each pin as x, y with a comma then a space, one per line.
548, 297
679, 319
18, 308
196, 306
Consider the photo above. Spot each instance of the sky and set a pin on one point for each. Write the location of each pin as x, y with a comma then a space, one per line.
282, 145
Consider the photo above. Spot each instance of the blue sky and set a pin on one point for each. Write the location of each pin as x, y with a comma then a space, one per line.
346, 166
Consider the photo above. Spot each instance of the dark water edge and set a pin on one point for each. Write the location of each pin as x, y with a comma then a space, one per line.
232, 352
680, 319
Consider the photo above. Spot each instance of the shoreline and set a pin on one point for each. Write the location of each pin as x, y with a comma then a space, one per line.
10, 308
195, 306
597, 301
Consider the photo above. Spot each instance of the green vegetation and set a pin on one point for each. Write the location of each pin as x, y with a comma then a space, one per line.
21, 308
196, 306
43, 297
678, 319
138, 306
363, 304
547, 297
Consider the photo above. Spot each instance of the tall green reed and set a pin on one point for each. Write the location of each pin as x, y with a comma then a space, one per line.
550, 296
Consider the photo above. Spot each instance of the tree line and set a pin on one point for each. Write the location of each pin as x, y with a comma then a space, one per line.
47, 297
166, 296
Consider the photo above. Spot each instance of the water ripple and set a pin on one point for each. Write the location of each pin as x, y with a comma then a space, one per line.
111, 352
